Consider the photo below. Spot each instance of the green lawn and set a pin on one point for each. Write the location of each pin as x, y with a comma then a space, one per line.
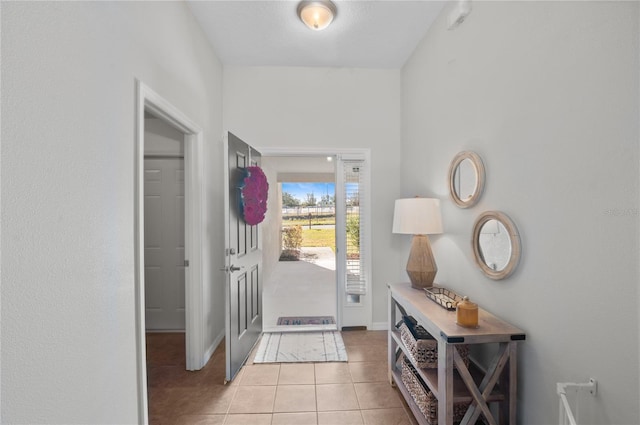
305, 221
319, 237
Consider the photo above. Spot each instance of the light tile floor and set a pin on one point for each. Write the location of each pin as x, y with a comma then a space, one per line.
356, 392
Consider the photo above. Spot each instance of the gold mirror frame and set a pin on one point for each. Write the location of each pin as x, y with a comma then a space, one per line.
514, 239
476, 161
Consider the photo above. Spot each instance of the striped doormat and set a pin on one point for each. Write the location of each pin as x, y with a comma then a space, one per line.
300, 347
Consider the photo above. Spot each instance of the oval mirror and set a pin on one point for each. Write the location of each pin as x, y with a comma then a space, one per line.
496, 244
466, 179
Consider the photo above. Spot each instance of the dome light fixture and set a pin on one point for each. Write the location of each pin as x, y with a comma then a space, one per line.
317, 14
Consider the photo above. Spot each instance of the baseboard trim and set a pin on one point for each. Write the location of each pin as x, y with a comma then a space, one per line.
379, 326
212, 347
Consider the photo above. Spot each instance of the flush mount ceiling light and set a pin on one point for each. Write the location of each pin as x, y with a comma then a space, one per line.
318, 14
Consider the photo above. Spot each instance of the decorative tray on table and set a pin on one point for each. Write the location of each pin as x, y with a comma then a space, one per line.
443, 297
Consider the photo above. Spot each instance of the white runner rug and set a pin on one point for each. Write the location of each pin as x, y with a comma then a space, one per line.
298, 347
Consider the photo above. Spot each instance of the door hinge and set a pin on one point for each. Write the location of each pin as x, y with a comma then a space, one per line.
186, 263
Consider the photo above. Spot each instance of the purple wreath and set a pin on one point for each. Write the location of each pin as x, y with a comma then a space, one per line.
254, 191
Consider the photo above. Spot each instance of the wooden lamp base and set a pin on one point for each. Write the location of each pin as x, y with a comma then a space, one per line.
421, 266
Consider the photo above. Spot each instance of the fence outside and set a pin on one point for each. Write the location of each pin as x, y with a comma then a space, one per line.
305, 211
328, 210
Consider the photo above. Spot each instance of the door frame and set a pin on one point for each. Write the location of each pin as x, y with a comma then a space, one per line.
149, 100
364, 153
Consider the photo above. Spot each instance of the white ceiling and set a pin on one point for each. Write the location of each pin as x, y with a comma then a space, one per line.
364, 34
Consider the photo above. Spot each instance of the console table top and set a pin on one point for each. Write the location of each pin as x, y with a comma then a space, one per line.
439, 320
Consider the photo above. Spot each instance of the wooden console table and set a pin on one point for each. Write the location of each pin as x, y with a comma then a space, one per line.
479, 387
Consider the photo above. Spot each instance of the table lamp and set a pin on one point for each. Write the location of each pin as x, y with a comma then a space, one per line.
419, 217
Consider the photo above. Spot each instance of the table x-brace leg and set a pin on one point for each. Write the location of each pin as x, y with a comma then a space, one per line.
481, 393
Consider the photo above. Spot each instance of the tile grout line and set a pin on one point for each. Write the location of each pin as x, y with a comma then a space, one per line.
357, 398
315, 391
235, 394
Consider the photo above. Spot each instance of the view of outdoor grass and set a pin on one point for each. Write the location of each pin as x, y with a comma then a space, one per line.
309, 222
315, 217
319, 237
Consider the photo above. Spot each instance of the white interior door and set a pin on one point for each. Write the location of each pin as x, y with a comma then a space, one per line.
243, 262
164, 253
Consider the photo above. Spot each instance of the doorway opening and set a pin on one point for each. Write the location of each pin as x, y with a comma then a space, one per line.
164, 251
348, 171
149, 103
301, 292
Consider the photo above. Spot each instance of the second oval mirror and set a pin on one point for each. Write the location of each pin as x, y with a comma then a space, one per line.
466, 179
496, 244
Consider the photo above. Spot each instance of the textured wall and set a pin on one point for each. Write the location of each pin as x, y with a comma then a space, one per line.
547, 94
68, 299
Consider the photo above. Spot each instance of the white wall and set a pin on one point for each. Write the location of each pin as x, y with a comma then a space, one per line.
270, 228
68, 299
318, 108
547, 94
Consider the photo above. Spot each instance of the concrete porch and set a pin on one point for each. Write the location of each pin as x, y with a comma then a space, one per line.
301, 288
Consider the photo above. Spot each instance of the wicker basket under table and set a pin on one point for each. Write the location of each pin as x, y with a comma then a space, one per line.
424, 399
424, 352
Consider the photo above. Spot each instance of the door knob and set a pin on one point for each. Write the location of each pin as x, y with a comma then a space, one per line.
232, 268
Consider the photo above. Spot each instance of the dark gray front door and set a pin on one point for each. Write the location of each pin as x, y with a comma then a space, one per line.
243, 263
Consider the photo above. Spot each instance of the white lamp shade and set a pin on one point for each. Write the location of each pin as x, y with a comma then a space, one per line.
317, 15
417, 216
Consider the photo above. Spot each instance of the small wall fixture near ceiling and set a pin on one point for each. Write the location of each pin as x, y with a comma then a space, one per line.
318, 14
